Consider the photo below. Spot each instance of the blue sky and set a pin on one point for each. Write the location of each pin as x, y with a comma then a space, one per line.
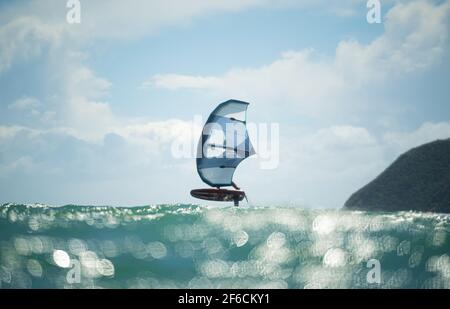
89, 112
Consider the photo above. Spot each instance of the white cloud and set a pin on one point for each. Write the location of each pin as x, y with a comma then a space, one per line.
415, 36
119, 20
137, 18
79, 109
84, 114
295, 78
159, 136
30, 26
346, 136
323, 168
8, 132
336, 150
88, 116
25, 103
83, 111
414, 39
142, 17
23, 38
319, 169
175, 81
427, 132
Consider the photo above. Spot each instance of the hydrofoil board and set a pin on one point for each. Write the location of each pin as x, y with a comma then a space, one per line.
219, 195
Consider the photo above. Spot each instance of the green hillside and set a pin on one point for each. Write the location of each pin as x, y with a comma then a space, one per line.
418, 180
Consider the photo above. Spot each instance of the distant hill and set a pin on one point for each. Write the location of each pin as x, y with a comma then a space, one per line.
418, 180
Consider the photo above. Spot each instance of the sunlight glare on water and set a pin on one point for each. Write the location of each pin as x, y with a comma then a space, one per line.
173, 246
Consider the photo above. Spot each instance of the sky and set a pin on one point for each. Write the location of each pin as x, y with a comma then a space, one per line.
90, 112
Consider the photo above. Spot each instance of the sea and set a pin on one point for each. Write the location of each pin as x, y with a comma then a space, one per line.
201, 246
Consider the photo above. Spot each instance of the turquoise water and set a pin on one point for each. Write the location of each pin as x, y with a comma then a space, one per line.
189, 246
